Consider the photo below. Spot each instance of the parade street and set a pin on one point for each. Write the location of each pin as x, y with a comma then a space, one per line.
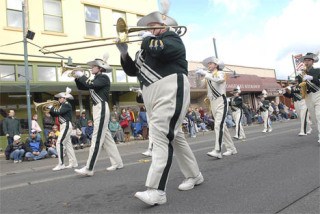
275, 172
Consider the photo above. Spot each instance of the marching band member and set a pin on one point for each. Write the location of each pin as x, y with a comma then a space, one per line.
99, 89
161, 68
299, 103
265, 111
216, 85
64, 113
312, 80
237, 112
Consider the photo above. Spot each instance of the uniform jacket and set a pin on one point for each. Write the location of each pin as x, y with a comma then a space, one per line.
236, 103
11, 126
99, 87
216, 84
313, 85
159, 57
64, 113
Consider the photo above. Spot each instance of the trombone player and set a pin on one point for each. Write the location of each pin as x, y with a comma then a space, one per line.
161, 68
64, 113
312, 80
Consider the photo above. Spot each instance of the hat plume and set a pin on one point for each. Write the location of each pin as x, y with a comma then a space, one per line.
165, 5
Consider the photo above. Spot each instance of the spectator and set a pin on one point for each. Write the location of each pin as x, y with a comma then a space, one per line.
115, 114
144, 123
55, 131
201, 111
51, 145
191, 122
116, 130
11, 126
47, 124
15, 150
208, 120
77, 138
34, 147
89, 131
125, 117
35, 124
83, 122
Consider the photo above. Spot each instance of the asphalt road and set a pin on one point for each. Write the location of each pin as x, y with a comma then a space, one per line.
275, 172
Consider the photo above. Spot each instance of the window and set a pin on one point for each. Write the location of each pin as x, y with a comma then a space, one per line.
121, 76
52, 14
93, 25
14, 13
65, 77
21, 73
47, 74
7, 73
110, 76
132, 79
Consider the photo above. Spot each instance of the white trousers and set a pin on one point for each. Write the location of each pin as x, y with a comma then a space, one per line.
101, 136
237, 115
304, 115
167, 101
313, 104
64, 140
266, 120
219, 108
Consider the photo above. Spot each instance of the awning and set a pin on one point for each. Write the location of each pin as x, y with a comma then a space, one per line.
271, 86
247, 83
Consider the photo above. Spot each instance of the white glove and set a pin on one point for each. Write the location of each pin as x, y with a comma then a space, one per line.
307, 77
49, 107
78, 74
123, 48
201, 72
145, 34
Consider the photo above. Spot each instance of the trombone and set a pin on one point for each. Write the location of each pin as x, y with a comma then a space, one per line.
123, 32
72, 70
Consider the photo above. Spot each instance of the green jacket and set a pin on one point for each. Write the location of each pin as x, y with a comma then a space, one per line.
11, 126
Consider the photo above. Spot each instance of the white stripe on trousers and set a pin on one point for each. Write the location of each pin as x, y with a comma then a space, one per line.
219, 112
160, 99
65, 136
304, 115
313, 104
237, 120
101, 136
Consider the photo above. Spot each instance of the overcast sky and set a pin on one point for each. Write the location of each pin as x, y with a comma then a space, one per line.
255, 33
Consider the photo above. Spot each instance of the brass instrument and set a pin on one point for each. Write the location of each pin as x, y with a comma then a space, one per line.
122, 30
44, 105
303, 85
71, 70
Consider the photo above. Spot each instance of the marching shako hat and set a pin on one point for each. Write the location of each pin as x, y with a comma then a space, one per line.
157, 17
312, 56
66, 94
236, 90
102, 63
215, 61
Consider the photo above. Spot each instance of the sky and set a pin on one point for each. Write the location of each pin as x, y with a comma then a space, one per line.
253, 33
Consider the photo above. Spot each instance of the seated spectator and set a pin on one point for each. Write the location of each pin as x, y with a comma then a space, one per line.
116, 130
208, 120
51, 145
34, 147
144, 123
89, 131
77, 138
15, 150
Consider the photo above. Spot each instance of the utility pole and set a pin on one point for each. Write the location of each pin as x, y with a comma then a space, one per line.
26, 65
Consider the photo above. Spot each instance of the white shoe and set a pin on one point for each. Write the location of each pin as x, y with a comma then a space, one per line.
309, 131
84, 171
319, 141
152, 196
264, 130
269, 130
189, 183
230, 152
147, 153
53, 156
302, 134
19, 161
15, 161
114, 167
71, 166
236, 137
215, 154
59, 167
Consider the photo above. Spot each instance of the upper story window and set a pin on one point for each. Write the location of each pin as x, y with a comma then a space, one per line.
52, 14
93, 23
47, 74
14, 13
